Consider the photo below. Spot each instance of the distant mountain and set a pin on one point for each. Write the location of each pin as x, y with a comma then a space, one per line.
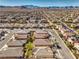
29, 6
23, 6
32, 6
66, 7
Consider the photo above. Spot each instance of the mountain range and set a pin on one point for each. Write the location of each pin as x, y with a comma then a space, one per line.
32, 6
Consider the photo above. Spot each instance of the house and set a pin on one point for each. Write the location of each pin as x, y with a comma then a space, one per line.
43, 53
21, 36
39, 34
12, 53
42, 42
16, 43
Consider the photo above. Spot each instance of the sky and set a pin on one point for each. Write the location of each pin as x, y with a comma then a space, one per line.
42, 3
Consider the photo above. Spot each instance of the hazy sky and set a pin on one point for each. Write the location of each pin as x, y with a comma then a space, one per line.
40, 2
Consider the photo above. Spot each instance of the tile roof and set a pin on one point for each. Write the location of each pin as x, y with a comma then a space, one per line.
12, 52
42, 42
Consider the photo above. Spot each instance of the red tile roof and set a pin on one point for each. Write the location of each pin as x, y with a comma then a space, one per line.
42, 42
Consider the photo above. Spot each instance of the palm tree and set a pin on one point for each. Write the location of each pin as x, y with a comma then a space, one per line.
28, 46
28, 50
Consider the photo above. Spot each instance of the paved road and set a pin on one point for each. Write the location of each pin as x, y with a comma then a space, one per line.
69, 27
66, 26
6, 40
65, 52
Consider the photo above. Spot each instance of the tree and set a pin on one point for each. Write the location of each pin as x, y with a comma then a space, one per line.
28, 46
28, 50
